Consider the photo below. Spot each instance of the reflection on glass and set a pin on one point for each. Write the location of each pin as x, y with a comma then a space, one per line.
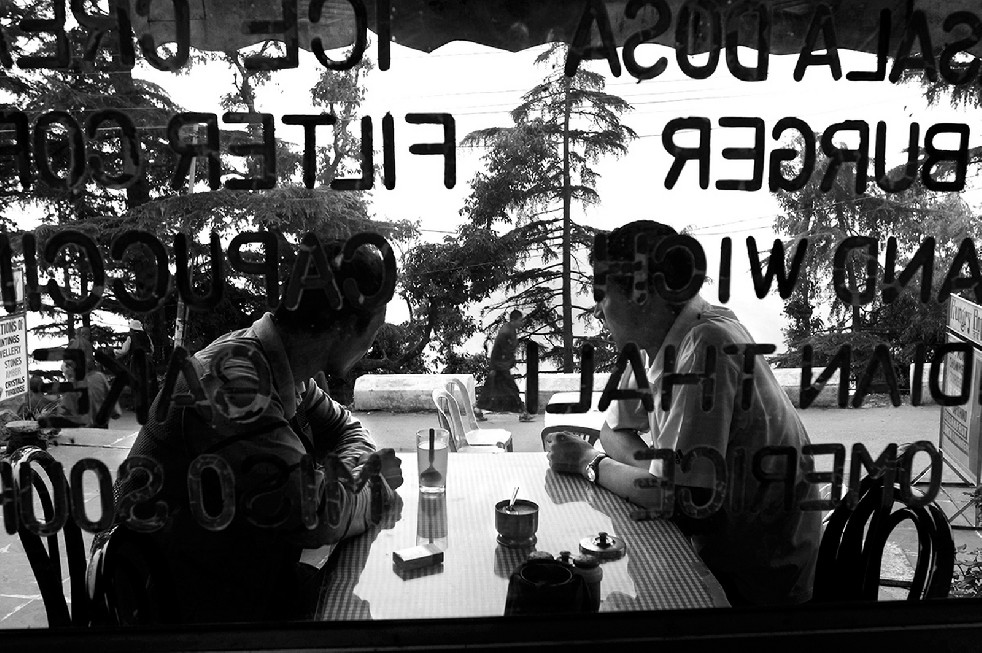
431, 520
507, 558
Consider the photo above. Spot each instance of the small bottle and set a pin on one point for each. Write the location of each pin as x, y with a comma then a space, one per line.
589, 568
566, 558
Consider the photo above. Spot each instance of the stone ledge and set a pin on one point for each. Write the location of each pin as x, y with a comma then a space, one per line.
403, 393
789, 378
552, 382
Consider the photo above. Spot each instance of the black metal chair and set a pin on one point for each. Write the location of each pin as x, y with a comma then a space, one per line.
590, 435
46, 561
128, 581
851, 550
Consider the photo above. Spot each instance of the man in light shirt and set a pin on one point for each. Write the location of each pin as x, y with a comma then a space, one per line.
718, 437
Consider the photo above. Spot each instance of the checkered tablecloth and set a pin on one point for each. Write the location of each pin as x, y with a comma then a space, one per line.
660, 570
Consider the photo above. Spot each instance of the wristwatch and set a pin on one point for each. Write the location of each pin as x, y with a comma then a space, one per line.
593, 467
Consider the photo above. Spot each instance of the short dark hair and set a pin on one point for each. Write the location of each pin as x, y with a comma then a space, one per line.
314, 313
677, 266
514, 315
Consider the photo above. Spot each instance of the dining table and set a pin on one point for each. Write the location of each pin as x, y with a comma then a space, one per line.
659, 569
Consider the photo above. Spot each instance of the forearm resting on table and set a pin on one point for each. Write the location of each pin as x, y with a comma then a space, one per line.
350, 515
647, 490
632, 483
624, 445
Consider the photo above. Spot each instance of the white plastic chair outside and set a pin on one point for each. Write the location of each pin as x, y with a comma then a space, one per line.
474, 434
442, 400
448, 413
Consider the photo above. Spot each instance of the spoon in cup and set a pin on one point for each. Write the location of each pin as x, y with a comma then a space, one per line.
511, 504
431, 476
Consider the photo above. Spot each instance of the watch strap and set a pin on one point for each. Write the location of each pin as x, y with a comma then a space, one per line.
594, 466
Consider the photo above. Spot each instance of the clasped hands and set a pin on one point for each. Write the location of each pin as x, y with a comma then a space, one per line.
387, 465
568, 454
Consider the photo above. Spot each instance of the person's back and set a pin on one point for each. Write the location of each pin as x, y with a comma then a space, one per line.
241, 572
138, 341
141, 341
503, 349
261, 462
761, 550
83, 342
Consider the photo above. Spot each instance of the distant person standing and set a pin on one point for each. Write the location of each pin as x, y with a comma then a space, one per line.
137, 340
83, 341
500, 392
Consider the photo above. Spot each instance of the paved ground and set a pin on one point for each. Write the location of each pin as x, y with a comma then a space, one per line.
21, 607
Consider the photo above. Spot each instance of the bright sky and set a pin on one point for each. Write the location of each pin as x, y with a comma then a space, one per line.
479, 86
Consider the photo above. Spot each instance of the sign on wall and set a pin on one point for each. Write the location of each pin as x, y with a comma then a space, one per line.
13, 355
960, 424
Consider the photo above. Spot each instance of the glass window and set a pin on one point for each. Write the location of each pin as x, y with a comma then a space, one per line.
384, 311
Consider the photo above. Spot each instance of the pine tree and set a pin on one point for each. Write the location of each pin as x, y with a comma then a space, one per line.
535, 171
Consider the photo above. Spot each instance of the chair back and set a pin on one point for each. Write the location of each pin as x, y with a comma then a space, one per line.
851, 550
458, 391
128, 582
448, 414
46, 561
589, 435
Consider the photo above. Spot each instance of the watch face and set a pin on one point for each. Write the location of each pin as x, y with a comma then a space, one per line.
591, 473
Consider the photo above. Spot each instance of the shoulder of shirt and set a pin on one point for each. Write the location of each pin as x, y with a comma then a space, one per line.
716, 326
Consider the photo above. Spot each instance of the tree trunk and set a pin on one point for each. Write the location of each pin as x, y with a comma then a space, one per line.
856, 310
84, 280
567, 238
138, 193
70, 317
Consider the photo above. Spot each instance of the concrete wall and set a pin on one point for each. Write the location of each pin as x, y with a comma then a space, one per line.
413, 392
790, 380
403, 392
551, 383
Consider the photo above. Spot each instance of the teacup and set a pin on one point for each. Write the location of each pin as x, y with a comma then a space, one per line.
516, 525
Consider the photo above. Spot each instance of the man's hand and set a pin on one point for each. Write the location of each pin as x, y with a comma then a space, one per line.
392, 514
386, 464
569, 455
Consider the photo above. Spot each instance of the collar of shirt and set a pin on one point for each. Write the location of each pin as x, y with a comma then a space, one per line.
265, 331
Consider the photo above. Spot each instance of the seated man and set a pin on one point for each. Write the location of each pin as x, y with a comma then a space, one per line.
97, 388
232, 538
762, 550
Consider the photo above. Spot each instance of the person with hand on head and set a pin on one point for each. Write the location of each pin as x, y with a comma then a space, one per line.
305, 472
761, 549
